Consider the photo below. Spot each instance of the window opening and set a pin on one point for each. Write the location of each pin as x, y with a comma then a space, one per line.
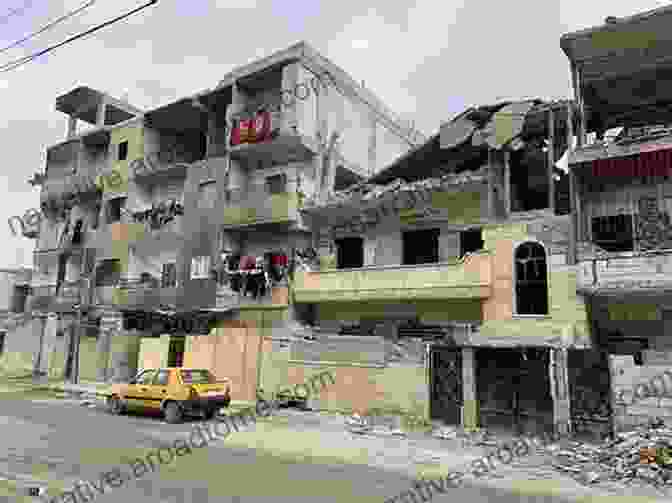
613, 233
529, 178
123, 151
531, 279
420, 247
108, 273
176, 351
471, 240
169, 275
161, 378
276, 184
114, 209
349, 253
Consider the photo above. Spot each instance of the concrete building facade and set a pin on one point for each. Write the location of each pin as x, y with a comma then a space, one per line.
621, 202
443, 286
167, 225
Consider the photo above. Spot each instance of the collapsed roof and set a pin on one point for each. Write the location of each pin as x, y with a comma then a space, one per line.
458, 154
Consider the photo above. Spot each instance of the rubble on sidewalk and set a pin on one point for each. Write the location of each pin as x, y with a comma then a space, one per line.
643, 455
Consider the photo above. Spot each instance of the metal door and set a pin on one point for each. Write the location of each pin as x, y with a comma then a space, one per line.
589, 390
446, 385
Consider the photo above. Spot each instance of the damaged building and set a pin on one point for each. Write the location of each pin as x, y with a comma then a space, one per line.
441, 284
623, 198
168, 235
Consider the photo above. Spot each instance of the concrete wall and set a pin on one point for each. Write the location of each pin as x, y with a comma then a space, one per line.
230, 351
21, 347
6, 290
626, 377
566, 317
153, 352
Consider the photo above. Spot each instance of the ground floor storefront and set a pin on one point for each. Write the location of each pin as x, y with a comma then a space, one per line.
633, 329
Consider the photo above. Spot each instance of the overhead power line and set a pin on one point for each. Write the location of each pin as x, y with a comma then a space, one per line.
14, 12
48, 26
27, 59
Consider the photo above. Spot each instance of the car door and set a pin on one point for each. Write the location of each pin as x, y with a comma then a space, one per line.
158, 389
138, 389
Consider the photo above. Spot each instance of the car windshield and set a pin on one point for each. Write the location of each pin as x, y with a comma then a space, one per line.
198, 376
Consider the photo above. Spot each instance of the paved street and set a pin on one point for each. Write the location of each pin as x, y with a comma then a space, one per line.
63, 442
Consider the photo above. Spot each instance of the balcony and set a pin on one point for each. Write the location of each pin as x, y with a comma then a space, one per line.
111, 241
625, 272
67, 297
109, 296
261, 209
42, 297
228, 299
282, 144
470, 278
143, 297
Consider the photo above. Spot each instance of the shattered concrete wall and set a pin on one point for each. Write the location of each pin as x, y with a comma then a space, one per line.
626, 378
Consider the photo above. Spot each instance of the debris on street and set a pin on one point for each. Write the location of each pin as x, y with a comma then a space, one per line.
643, 455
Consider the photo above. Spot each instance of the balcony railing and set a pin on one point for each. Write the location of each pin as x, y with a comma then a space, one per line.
228, 299
134, 294
111, 241
262, 208
625, 271
470, 278
109, 295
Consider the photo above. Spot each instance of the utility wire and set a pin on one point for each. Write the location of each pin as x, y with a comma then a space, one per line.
13, 12
48, 26
22, 61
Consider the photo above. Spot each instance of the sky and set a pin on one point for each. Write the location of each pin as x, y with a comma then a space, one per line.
426, 60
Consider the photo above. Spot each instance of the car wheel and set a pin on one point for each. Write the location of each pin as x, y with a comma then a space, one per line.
173, 413
115, 406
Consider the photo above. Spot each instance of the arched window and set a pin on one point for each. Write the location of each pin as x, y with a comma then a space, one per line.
531, 279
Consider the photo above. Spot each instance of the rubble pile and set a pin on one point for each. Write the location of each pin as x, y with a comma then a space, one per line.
364, 192
643, 455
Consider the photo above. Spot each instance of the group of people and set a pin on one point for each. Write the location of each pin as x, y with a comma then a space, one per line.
247, 274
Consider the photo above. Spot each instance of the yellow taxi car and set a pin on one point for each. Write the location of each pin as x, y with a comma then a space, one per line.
174, 392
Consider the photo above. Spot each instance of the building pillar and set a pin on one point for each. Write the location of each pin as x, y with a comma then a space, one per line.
210, 144
100, 114
110, 324
72, 127
470, 402
50, 326
558, 374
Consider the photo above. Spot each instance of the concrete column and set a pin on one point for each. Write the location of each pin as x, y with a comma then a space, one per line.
103, 347
100, 114
109, 325
560, 391
211, 135
51, 327
470, 407
72, 127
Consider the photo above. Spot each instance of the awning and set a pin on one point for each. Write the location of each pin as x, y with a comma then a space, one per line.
654, 163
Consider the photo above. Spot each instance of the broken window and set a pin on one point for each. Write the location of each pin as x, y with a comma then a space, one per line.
613, 233
529, 177
169, 275
114, 207
420, 247
276, 184
349, 253
471, 241
531, 279
77, 232
200, 267
123, 151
